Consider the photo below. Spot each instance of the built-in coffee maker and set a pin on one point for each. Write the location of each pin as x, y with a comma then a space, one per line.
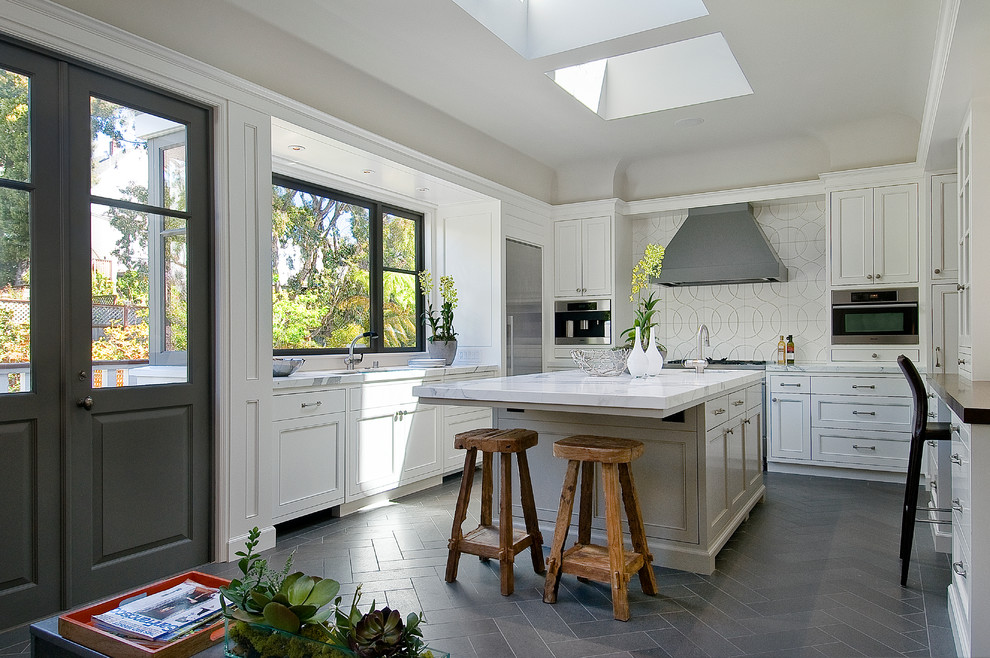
583, 322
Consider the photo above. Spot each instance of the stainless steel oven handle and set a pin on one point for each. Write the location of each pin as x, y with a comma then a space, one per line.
866, 305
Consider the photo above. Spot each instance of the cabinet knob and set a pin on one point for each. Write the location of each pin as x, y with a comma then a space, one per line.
876, 356
957, 505
931, 444
959, 569
878, 277
938, 271
961, 361
956, 459
960, 286
869, 276
728, 431
954, 429
931, 414
774, 400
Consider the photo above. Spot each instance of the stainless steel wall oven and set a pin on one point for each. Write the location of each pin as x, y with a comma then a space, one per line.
583, 322
875, 317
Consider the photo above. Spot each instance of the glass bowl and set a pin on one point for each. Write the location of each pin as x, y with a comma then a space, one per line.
285, 367
601, 363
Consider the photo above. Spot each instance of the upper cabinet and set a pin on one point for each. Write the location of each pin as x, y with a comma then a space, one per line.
944, 237
964, 201
583, 257
874, 235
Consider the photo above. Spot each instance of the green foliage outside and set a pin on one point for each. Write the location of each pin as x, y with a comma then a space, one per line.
325, 246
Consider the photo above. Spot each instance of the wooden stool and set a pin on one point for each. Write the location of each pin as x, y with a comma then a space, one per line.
487, 541
607, 564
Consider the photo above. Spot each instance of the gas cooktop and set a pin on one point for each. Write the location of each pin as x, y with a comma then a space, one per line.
724, 364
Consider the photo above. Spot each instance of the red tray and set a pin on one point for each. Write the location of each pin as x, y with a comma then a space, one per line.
77, 625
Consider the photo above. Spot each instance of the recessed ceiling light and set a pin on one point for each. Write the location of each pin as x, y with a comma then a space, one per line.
296, 147
368, 171
687, 122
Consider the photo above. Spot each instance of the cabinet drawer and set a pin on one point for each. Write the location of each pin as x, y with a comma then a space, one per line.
893, 414
372, 396
884, 449
310, 403
874, 354
960, 430
961, 564
961, 503
790, 384
754, 396
861, 385
965, 358
716, 411
737, 403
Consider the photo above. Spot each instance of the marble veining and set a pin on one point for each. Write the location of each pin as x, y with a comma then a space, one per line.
812, 368
305, 379
672, 390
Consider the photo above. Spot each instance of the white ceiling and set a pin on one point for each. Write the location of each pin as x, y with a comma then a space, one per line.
838, 84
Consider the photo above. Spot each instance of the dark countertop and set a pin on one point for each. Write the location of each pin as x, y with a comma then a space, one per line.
969, 400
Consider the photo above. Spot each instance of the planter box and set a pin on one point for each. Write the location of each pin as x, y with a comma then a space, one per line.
246, 640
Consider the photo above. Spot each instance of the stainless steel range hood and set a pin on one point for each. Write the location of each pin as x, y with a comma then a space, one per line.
720, 244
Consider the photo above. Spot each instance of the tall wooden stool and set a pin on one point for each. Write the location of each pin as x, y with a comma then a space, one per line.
608, 564
487, 541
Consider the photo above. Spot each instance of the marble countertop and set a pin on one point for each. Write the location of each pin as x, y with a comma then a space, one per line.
308, 378
667, 393
812, 368
968, 399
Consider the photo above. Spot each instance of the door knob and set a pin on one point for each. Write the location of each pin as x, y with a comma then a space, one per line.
86, 403
938, 271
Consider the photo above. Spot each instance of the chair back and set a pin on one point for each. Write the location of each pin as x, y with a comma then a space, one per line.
917, 387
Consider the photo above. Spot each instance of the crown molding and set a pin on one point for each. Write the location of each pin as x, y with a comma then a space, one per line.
947, 16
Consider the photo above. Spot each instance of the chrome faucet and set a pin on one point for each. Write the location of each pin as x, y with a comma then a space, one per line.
701, 362
351, 359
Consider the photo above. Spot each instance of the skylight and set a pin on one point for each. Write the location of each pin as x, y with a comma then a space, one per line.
678, 74
536, 28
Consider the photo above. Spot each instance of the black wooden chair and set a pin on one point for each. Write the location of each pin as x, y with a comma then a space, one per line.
921, 431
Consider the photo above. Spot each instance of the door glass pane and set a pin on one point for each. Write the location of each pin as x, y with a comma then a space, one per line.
398, 243
320, 270
15, 154
139, 286
137, 156
15, 292
400, 293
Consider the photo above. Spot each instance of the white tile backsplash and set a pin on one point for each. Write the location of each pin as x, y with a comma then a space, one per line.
745, 320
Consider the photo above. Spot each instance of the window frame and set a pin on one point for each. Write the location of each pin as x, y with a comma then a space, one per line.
376, 266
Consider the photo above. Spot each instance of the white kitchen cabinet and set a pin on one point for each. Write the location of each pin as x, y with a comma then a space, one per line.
943, 239
458, 419
874, 236
390, 446
964, 237
583, 257
874, 354
944, 356
716, 476
753, 447
308, 452
790, 426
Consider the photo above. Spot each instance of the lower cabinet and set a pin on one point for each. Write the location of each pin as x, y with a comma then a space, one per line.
455, 421
790, 426
309, 464
391, 446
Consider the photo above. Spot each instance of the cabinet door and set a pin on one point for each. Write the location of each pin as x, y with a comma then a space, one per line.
790, 426
735, 464
753, 449
596, 256
308, 464
567, 257
371, 455
851, 224
964, 225
716, 479
416, 436
944, 230
945, 329
895, 234
457, 420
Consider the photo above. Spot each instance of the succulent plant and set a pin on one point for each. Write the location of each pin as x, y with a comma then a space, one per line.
379, 633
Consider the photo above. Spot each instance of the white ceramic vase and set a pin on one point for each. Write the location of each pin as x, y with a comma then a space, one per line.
637, 363
653, 357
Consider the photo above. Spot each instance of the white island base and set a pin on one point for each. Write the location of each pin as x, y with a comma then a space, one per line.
701, 472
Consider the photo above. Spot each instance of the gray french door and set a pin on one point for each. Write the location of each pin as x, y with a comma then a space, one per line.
111, 410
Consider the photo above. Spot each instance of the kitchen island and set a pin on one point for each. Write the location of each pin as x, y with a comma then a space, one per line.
702, 471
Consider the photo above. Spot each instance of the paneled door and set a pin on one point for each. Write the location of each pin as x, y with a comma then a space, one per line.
105, 335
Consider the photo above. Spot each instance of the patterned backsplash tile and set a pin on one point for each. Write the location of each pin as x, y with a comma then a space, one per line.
745, 320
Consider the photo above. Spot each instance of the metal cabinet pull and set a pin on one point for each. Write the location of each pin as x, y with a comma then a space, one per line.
864, 447
954, 429
869, 276
957, 505
956, 459
931, 444
786, 384
864, 413
959, 568
318, 403
864, 385
727, 432
931, 414
934, 485
719, 411
960, 286
878, 277
736, 403
745, 421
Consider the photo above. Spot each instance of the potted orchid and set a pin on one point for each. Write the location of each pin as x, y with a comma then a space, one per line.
442, 343
646, 308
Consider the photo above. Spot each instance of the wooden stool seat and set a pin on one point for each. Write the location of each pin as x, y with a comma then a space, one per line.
613, 563
601, 449
502, 542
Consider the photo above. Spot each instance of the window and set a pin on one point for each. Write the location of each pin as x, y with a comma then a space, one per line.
343, 265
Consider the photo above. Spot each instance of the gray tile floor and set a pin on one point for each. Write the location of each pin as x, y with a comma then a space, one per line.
813, 572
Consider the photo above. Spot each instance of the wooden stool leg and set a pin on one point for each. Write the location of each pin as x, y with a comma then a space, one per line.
460, 513
505, 554
486, 492
647, 578
584, 511
616, 553
529, 512
560, 532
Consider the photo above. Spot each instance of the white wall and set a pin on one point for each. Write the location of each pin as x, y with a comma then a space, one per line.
746, 320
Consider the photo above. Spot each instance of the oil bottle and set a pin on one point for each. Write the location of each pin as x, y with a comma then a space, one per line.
781, 351
790, 350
